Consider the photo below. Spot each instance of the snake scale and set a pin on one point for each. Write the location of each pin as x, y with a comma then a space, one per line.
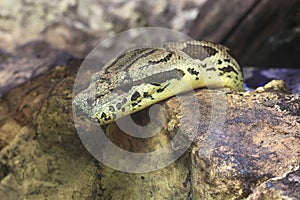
142, 76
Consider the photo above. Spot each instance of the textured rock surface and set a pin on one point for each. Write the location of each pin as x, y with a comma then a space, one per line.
84, 23
28, 61
258, 143
255, 154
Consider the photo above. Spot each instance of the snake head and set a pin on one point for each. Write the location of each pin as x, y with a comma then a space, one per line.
83, 104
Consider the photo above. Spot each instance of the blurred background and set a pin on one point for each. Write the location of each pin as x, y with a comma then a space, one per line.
36, 35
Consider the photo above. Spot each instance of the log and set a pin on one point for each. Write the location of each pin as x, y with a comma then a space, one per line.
257, 32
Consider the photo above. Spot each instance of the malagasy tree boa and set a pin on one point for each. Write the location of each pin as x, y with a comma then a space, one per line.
142, 76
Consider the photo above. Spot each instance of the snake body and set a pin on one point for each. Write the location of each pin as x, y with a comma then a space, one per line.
142, 76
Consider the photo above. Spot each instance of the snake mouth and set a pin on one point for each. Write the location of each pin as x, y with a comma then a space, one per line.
84, 113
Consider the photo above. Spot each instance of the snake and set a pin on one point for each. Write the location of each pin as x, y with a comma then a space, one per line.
141, 76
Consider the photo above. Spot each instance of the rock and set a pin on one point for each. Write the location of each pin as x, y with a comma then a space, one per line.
257, 144
66, 24
256, 77
250, 149
286, 187
29, 60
